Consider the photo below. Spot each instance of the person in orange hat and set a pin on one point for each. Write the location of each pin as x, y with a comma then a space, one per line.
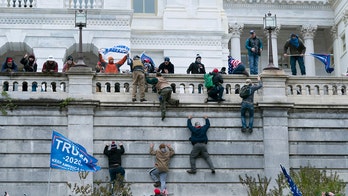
112, 67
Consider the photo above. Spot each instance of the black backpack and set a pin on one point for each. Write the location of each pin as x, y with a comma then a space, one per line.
245, 91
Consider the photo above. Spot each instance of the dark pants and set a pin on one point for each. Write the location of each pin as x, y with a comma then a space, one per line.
240, 69
216, 92
246, 106
197, 150
115, 171
166, 97
300, 61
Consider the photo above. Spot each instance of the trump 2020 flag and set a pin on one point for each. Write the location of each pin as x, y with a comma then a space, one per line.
295, 191
67, 155
324, 58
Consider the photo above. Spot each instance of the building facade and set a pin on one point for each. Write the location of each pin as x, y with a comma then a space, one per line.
178, 29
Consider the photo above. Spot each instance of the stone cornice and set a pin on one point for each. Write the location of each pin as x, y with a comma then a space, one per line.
234, 4
35, 21
280, 2
175, 42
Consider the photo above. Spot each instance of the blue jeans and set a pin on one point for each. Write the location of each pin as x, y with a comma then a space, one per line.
253, 64
300, 61
115, 171
246, 106
154, 173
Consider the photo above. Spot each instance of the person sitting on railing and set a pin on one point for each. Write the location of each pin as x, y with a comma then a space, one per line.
68, 64
112, 67
50, 65
165, 92
216, 91
236, 66
29, 63
9, 65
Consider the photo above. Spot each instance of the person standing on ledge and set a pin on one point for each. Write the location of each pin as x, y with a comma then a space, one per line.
297, 51
197, 67
199, 140
254, 46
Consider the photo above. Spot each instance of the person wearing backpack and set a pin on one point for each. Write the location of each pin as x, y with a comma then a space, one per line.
216, 90
247, 94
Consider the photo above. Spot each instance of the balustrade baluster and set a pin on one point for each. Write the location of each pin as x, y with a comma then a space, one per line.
14, 3
19, 3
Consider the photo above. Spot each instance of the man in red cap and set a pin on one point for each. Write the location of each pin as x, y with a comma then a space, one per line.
216, 91
9, 65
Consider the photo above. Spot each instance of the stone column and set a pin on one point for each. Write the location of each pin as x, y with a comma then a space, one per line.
225, 49
274, 106
81, 114
308, 32
235, 31
336, 52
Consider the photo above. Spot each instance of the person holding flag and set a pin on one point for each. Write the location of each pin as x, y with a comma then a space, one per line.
297, 51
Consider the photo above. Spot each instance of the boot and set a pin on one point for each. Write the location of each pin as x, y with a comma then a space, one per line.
157, 184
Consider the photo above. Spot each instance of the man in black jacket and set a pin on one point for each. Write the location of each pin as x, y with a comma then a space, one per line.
199, 140
197, 67
115, 161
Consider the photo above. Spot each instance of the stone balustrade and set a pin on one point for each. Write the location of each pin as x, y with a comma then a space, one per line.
188, 88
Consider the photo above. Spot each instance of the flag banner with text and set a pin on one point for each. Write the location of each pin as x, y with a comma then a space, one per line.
67, 155
117, 52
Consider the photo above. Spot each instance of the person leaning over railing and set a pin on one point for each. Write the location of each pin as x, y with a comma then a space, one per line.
9, 65
29, 63
50, 65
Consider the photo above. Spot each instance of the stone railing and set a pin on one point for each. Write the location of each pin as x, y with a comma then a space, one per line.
188, 88
18, 3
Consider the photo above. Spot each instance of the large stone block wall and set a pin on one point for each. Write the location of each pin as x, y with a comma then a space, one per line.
298, 121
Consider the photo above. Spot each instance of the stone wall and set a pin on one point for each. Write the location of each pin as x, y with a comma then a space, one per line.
292, 127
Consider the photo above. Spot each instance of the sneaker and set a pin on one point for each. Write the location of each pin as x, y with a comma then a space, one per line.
191, 171
157, 184
250, 130
244, 130
213, 171
221, 99
134, 99
143, 99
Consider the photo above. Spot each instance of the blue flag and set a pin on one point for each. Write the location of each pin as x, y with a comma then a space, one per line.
143, 56
67, 155
324, 58
295, 191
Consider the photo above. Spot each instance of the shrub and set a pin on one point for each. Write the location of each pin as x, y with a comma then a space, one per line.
310, 180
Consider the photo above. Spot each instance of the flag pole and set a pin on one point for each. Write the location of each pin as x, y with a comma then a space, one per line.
49, 180
304, 55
